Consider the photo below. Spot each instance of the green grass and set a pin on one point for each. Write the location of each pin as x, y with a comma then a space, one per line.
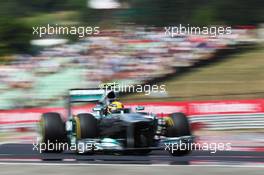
240, 76
62, 17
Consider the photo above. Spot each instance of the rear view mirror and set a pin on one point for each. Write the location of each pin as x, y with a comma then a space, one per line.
97, 109
140, 108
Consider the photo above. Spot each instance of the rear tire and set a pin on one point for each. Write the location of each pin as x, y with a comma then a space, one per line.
53, 132
179, 127
86, 127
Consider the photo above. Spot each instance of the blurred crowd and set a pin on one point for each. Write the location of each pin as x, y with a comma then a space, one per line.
131, 56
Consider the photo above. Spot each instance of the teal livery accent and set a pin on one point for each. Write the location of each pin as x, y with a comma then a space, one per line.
91, 97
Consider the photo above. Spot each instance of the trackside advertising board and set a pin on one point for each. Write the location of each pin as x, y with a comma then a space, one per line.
24, 116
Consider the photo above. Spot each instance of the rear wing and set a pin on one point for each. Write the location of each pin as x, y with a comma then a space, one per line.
87, 95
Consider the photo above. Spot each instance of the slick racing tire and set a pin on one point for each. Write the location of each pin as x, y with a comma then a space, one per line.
178, 126
53, 132
86, 126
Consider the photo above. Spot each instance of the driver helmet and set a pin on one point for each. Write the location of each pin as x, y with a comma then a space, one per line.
114, 106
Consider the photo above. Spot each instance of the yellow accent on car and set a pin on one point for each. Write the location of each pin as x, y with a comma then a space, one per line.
78, 127
169, 121
42, 129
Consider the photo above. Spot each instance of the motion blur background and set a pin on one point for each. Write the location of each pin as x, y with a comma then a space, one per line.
132, 48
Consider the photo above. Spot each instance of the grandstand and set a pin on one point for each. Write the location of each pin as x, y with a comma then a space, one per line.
130, 58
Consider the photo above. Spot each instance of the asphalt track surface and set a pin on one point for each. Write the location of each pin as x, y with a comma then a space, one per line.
66, 169
21, 159
25, 152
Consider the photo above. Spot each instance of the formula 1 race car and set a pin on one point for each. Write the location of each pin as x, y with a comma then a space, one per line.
121, 130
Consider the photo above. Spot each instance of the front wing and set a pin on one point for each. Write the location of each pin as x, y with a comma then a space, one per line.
116, 145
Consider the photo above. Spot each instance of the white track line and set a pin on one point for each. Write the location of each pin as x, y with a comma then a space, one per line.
128, 165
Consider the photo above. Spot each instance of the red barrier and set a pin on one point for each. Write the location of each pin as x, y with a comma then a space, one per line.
190, 108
